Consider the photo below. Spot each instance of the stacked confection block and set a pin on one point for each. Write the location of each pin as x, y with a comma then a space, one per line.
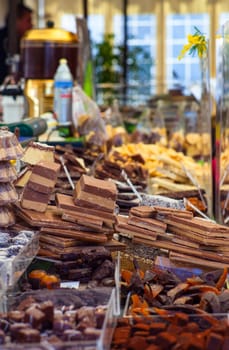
38, 189
34, 153
94, 193
10, 150
188, 239
91, 208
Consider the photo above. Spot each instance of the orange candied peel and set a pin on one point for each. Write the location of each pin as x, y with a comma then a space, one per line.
126, 275
221, 281
139, 305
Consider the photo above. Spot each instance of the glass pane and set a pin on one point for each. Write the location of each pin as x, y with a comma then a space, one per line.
176, 50
195, 72
96, 27
178, 32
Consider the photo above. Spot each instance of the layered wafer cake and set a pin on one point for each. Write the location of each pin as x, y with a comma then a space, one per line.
36, 193
8, 193
95, 193
10, 149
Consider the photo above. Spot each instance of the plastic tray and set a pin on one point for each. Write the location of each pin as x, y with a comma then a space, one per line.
11, 269
66, 297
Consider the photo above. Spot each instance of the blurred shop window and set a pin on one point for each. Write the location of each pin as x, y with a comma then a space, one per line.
68, 22
96, 25
141, 43
182, 74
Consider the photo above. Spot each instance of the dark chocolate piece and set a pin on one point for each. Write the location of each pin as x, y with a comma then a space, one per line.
16, 316
35, 317
15, 329
29, 335
72, 335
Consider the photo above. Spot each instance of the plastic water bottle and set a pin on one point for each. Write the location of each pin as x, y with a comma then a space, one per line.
63, 84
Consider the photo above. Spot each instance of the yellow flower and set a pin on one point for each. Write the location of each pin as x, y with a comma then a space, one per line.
196, 43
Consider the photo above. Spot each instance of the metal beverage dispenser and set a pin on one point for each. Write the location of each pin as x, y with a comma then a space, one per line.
41, 50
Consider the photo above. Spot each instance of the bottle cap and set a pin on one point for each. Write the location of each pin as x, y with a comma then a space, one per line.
63, 61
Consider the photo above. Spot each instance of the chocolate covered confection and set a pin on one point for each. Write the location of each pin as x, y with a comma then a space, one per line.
36, 152
95, 193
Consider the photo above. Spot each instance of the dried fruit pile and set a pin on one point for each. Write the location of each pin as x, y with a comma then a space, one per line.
154, 291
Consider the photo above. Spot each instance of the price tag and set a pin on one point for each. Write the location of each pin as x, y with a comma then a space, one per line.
71, 284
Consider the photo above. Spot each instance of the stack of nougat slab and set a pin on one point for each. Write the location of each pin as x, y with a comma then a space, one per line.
38, 189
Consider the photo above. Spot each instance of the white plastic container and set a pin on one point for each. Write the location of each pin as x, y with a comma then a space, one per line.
63, 84
13, 104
